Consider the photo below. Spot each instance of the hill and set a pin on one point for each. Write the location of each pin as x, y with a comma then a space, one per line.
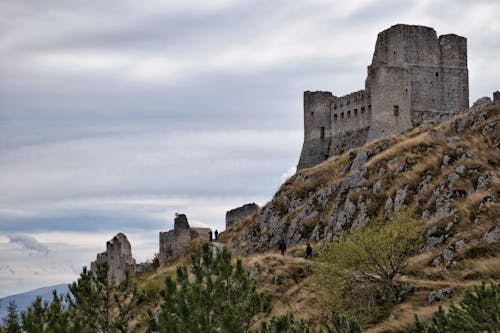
445, 173
24, 299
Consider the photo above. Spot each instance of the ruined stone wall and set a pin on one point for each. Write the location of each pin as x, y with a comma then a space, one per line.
333, 124
118, 256
174, 242
240, 213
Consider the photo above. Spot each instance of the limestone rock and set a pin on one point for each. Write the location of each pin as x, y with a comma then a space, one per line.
399, 199
492, 236
118, 256
377, 186
359, 160
481, 101
440, 295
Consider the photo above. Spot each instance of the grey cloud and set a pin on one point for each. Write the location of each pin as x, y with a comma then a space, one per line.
28, 242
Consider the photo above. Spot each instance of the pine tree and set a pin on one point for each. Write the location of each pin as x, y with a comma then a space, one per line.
339, 323
35, 317
213, 296
11, 320
479, 311
99, 305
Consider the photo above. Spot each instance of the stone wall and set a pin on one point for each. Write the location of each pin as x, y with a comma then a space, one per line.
118, 255
413, 78
240, 213
174, 242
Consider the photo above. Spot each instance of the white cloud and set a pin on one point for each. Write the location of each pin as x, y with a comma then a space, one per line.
28, 242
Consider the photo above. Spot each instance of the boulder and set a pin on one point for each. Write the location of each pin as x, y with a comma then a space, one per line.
481, 101
440, 295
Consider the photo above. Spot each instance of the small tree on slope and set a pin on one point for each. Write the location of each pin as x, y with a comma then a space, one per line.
358, 271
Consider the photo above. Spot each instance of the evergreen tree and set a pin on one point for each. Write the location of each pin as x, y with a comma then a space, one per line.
479, 311
284, 324
100, 305
35, 317
11, 320
213, 296
338, 323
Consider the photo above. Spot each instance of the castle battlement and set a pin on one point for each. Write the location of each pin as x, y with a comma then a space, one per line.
414, 77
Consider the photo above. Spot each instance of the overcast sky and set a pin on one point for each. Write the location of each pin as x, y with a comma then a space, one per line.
115, 115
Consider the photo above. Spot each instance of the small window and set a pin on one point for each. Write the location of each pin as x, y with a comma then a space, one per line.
335, 107
437, 74
342, 115
362, 109
349, 114
334, 117
312, 113
396, 110
355, 112
369, 108
322, 134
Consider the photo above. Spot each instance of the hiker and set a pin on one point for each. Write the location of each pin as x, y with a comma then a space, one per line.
282, 247
210, 235
216, 234
309, 251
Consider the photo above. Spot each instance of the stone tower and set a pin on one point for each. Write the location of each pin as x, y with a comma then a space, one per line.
414, 77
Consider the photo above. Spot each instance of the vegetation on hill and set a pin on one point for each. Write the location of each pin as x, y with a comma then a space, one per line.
400, 227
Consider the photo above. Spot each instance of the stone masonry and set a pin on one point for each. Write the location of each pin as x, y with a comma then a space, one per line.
174, 242
240, 213
414, 77
118, 255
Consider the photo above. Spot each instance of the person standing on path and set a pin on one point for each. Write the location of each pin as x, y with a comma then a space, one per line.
210, 235
309, 251
282, 247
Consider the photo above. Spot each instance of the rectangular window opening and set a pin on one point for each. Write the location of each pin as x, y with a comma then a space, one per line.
355, 112
396, 110
362, 109
322, 135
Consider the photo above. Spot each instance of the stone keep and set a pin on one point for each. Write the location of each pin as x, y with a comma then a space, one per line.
414, 77
174, 242
118, 255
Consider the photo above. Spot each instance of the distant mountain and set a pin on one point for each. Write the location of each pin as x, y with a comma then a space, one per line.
25, 299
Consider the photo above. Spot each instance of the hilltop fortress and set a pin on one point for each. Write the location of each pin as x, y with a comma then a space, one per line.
414, 77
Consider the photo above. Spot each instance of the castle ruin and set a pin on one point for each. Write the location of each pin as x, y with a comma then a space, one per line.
118, 256
174, 242
414, 77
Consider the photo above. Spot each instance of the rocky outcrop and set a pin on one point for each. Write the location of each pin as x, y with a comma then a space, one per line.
450, 184
174, 242
240, 213
118, 256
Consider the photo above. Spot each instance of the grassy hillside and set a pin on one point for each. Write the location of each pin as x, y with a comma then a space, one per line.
446, 174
